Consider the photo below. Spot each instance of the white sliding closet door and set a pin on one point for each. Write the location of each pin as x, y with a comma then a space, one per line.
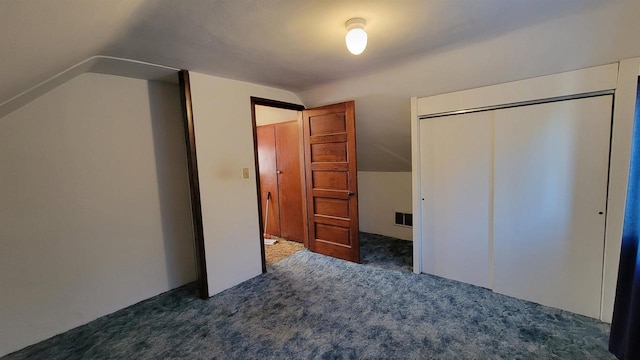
551, 164
456, 165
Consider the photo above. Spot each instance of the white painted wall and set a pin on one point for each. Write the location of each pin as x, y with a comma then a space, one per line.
224, 145
266, 115
94, 205
380, 195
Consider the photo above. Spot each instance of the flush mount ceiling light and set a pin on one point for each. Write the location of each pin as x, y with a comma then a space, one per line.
356, 37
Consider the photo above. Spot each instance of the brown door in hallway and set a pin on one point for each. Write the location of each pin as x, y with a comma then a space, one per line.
332, 184
268, 178
289, 180
281, 175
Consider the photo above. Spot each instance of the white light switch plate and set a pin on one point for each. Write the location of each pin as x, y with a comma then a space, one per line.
245, 173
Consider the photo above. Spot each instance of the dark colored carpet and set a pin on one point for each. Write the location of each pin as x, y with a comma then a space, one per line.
310, 306
386, 252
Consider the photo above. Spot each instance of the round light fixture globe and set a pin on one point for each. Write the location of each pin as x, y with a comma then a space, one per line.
356, 38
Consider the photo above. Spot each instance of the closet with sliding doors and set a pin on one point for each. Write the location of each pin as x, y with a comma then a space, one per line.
281, 179
513, 192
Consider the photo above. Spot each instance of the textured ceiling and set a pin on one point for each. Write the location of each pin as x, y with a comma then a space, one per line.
297, 45
290, 44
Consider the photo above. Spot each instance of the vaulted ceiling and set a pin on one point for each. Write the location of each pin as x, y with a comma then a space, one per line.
296, 45
290, 44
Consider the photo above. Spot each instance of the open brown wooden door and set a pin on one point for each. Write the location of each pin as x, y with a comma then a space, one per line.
332, 184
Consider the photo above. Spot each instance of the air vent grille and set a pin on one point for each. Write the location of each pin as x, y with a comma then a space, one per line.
403, 219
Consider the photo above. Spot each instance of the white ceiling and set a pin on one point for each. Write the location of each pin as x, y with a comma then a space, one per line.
416, 47
290, 44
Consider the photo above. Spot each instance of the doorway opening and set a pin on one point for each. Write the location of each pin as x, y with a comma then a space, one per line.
280, 178
307, 179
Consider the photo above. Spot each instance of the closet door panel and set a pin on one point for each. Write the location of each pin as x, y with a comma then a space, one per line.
290, 181
551, 164
456, 156
268, 178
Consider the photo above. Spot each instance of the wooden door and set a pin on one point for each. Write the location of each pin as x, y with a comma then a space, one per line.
551, 169
289, 180
332, 184
268, 177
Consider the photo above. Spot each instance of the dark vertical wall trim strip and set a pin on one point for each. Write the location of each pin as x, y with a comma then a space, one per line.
257, 167
624, 337
194, 183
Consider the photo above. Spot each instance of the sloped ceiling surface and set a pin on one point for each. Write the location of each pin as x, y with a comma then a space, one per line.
300, 44
291, 44
39, 39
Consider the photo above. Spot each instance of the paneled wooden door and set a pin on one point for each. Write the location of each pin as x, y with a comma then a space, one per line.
456, 155
332, 184
289, 180
266, 140
279, 156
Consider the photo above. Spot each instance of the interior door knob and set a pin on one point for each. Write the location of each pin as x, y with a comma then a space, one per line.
278, 172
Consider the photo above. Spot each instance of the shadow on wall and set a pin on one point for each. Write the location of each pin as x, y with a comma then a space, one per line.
173, 181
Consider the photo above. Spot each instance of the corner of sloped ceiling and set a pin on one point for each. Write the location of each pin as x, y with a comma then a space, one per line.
383, 125
599, 36
96, 64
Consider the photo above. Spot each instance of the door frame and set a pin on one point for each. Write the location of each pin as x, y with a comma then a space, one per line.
287, 106
562, 86
194, 183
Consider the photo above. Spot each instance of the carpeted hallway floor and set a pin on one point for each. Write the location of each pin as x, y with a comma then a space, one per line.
280, 250
310, 306
375, 250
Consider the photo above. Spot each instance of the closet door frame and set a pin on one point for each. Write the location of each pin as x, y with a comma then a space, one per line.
601, 80
624, 108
